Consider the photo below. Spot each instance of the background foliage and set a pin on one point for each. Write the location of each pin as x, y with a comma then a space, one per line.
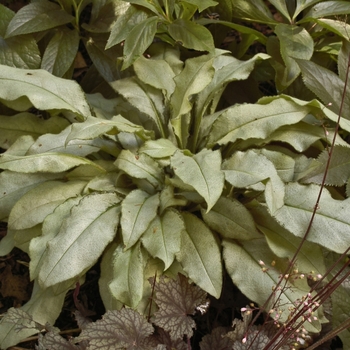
166, 137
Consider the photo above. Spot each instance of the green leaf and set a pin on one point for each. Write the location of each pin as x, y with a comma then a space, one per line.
261, 177
197, 244
141, 167
330, 227
161, 148
303, 4
124, 24
326, 85
231, 219
138, 211
326, 9
128, 268
196, 75
284, 244
156, 73
14, 185
44, 307
256, 284
44, 162
145, 98
37, 17
191, 35
92, 128
90, 227
151, 5
22, 88
343, 60
50, 229
118, 329
20, 52
11, 128
60, 52
338, 170
281, 6
253, 10
340, 28
138, 40
202, 172
254, 121
162, 239
202, 4
32, 208
295, 42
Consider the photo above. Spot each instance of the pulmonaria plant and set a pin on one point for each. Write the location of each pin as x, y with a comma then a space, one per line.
167, 178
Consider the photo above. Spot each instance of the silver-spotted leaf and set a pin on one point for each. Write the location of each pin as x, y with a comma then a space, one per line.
203, 172
138, 210
197, 244
123, 329
40, 201
330, 227
176, 300
82, 238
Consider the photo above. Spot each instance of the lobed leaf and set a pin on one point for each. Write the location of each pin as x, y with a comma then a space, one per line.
121, 329
202, 172
82, 238
197, 244
176, 300
22, 88
32, 208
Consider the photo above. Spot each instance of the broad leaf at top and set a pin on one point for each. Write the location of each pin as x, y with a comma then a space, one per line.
118, 329
202, 172
326, 9
176, 300
82, 238
191, 35
331, 224
22, 89
36, 17
197, 244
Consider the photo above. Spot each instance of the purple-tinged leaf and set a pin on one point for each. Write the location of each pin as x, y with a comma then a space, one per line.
118, 330
176, 300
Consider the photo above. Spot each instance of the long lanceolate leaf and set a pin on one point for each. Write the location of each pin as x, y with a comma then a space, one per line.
22, 88
82, 238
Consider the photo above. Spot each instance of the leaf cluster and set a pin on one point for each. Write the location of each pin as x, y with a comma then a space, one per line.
174, 160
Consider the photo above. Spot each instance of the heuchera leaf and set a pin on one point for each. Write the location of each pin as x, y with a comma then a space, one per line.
176, 299
82, 238
216, 340
197, 244
22, 88
138, 211
36, 17
124, 329
52, 340
202, 172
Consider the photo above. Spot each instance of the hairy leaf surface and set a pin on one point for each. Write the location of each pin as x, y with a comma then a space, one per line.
82, 238
200, 255
176, 299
